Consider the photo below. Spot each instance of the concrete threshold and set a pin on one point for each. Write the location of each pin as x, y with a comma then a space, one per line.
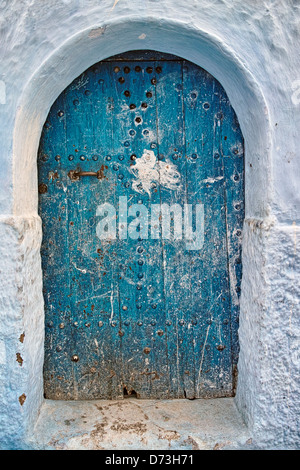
133, 424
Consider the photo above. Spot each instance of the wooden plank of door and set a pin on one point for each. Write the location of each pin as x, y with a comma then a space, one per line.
211, 302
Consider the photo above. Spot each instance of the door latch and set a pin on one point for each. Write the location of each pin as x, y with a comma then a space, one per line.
75, 175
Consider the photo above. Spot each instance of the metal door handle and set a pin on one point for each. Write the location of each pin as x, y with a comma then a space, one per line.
75, 175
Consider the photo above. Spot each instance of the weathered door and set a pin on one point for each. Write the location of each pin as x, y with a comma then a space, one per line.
139, 154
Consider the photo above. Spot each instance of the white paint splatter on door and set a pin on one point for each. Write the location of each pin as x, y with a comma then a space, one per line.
148, 170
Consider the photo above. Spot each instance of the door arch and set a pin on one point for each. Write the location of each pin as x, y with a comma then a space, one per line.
135, 314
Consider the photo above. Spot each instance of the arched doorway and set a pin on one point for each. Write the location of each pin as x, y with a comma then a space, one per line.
134, 305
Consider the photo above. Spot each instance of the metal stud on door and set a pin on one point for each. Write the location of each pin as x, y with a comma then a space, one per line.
141, 194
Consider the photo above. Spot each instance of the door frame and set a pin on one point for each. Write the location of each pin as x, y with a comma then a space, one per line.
50, 79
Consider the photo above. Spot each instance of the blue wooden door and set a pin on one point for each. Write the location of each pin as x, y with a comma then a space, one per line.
141, 195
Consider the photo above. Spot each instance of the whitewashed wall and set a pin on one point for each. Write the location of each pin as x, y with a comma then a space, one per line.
252, 48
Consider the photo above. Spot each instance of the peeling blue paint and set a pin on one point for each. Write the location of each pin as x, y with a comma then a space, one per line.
141, 315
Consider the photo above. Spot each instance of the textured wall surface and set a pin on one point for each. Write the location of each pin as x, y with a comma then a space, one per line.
252, 48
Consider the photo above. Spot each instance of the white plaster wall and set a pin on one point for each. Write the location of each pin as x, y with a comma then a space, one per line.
252, 48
